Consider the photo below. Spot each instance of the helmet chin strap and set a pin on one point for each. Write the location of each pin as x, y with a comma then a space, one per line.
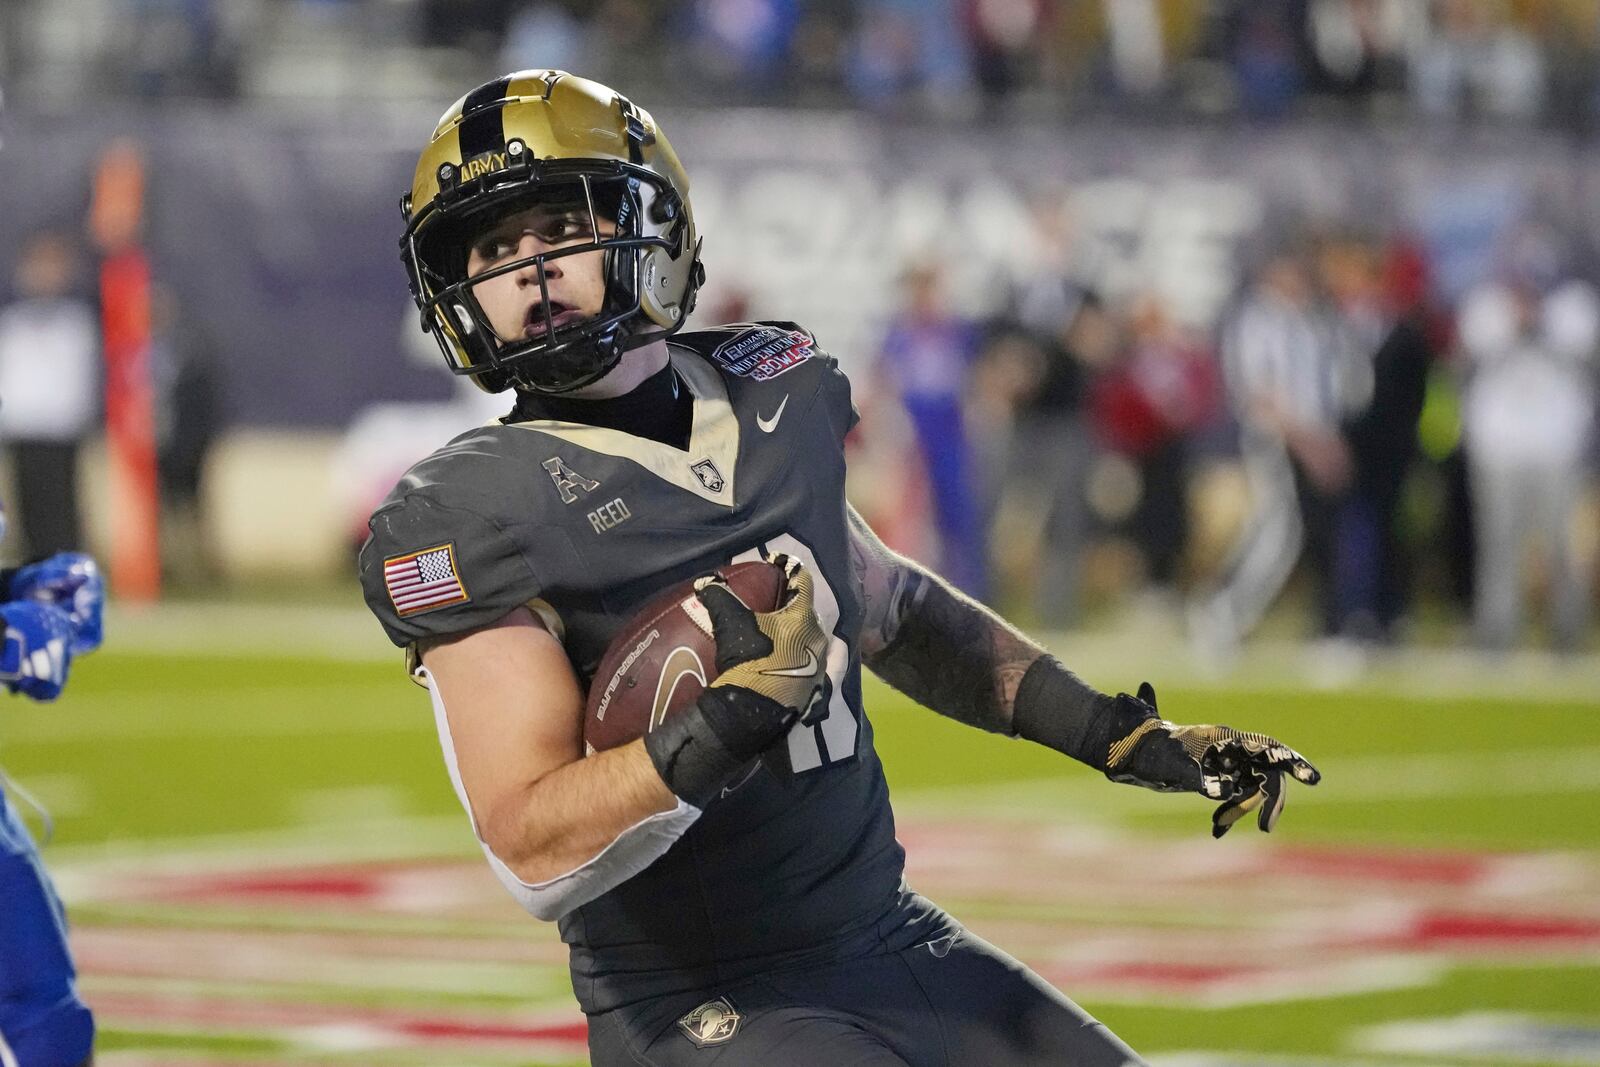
622, 376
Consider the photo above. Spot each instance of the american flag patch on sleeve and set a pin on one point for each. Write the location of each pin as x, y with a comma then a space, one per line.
422, 581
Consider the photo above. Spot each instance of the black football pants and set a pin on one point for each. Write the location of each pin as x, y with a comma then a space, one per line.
957, 1002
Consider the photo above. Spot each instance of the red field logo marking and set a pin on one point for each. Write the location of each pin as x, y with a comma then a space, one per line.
1106, 920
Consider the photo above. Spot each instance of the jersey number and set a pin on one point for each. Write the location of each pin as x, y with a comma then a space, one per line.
833, 738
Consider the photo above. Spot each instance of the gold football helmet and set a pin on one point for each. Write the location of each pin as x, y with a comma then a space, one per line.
537, 137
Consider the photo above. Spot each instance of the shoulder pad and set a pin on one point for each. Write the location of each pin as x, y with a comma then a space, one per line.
758, 350
429, 568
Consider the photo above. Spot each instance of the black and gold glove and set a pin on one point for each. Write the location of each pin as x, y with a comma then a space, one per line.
1244, 771
771, 670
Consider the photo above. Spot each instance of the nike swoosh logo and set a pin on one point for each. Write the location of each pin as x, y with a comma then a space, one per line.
805, 670
768, 425
755, 765
681, 663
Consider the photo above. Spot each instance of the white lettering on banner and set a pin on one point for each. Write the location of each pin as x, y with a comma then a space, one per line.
826, 249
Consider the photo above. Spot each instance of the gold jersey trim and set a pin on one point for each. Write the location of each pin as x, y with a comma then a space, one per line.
714, 435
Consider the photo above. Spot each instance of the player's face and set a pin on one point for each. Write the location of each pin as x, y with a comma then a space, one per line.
576, 283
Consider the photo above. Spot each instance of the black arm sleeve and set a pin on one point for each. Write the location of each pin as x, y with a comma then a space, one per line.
1056, 708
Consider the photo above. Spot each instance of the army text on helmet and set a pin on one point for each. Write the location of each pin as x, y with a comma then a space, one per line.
530, 139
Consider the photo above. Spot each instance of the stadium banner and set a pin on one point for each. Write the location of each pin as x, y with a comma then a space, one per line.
277, 231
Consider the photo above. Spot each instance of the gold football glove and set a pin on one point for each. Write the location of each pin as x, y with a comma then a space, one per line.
1244, 771
771, 671
780, 654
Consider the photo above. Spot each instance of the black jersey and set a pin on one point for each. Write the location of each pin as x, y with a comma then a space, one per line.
584, 524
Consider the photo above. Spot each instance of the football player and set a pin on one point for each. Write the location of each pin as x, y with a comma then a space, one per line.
713, 914
51, 612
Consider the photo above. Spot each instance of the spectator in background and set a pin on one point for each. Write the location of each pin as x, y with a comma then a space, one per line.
1291, 380
1062, 320
1345, 45
1528, 417
1162, 390
1390, 315
1136, 46
1474, 56
552, 33
1004, 37
50, 382
188, 417
471, 24
745, 43
180, 48
909, 52
1265, 52
927, 357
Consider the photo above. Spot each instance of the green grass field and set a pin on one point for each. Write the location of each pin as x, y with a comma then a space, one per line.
264, 864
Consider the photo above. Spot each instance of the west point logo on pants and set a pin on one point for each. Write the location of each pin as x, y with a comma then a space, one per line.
711, 1023
567, 479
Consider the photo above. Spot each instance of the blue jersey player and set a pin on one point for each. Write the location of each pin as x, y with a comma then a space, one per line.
729, 886
51, 612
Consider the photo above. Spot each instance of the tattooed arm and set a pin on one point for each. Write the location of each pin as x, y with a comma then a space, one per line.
952, 654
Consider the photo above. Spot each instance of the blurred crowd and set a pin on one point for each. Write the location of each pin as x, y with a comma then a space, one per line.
1351, 421
1340, 427
1506, 60
52, 403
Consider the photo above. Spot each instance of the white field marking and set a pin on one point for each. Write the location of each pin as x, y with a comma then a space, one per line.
1123, 652
350, 634
271, 1015
1357, 780
338, 804
1254, 1059
144, 713
393, 1057
310, 1045
311, 631
61, 794
1300, 946
1457, 774
1323, 980
87, 869
344, 1037
1487, 1035
226, 964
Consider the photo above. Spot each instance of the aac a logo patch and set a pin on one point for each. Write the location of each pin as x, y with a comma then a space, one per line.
712, 1023
567, 480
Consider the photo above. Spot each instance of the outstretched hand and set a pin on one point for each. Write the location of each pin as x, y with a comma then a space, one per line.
1243, 770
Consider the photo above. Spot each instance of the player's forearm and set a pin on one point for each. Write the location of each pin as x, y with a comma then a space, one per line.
950, 653
566, 818
947, 651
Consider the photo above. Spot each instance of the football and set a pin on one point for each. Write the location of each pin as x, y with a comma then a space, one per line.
665, 656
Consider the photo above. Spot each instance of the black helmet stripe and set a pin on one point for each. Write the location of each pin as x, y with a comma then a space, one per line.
482, 119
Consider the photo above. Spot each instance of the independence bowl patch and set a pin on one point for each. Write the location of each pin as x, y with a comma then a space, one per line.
422, 581
765, 352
